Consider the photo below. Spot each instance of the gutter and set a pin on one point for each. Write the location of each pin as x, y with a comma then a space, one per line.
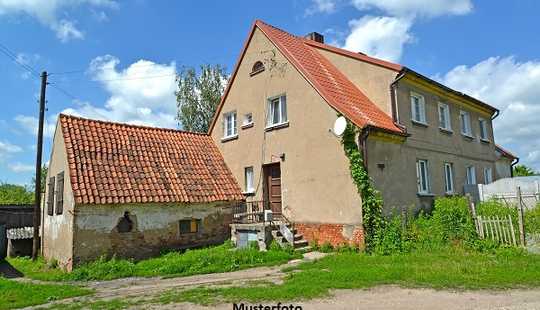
393, 98
514, 162
362, 143
494, 116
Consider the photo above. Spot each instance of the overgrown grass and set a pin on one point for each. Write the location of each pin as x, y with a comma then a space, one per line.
454, 268
221, 258
15, 294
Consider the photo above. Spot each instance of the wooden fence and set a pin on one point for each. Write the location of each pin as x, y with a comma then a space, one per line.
496, 229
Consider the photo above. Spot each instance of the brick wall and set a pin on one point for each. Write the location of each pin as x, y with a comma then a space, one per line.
335, 234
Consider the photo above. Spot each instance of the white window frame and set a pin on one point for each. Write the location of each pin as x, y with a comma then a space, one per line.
230, 124
471, 175
281, 111
447, 124
249, 178
422, 176
448, 178
488, 175
482, 123
421, 108
465, 123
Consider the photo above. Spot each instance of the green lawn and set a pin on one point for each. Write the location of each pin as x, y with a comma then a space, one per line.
451, 268
15, 294
221, 258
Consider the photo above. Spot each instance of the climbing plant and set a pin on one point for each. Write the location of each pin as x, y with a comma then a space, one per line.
372, 216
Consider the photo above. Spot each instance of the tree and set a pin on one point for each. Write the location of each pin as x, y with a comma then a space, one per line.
44, 171
15, 194
523, 171
199, 95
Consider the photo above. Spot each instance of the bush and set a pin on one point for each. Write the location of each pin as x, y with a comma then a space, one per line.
532, 220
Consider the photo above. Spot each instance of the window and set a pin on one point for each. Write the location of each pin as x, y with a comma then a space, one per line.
60, 193
448, 178
422, 174
471, 175
190, 226
258, 66
248, 175
444, 117
418, 108
465, 120
483, 129
50, 196
488, 176
229, 125
248, 120
277, 111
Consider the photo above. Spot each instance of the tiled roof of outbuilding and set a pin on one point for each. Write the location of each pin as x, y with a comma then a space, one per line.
113, 163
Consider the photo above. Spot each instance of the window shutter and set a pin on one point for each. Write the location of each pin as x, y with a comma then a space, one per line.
60, 193
283, 109
50, 196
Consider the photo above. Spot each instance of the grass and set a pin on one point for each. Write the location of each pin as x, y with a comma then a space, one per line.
451, 268
111, 304
15, 294
221, 258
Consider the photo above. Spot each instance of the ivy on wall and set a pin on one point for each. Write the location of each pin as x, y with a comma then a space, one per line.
373, 219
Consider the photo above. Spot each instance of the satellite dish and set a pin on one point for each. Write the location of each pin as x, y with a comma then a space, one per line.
339, 126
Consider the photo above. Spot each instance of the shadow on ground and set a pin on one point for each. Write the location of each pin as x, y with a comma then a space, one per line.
8, 271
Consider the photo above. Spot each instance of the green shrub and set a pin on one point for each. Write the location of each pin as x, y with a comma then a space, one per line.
391, 239
326, 247
532, 220
452, 220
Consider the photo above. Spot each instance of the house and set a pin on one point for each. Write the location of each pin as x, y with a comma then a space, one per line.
419, 138
132, 191
505, 163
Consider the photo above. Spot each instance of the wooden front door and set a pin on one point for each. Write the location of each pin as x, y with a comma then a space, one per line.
272, 174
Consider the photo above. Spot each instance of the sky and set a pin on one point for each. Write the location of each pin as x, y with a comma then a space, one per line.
117, 60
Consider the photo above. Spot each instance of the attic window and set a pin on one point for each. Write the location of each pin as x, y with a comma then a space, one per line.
257, 68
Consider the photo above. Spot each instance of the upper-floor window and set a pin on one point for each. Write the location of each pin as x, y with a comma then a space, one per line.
277, 111
422, 174
471, 175
258, 66
229, 125
444, 117
488, 175
465, 120
248, 174
483, 129
418, 108
448, 178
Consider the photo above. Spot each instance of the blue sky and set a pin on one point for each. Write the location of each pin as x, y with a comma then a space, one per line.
121, 56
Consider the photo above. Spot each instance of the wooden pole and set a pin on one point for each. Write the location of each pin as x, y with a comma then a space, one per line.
37, 189
512, 232
520, 217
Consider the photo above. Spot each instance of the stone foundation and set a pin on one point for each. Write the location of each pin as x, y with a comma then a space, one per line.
335, 234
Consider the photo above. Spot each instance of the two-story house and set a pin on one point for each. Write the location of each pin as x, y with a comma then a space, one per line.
419, 138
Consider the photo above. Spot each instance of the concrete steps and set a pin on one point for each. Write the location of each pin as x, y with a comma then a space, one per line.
299, 243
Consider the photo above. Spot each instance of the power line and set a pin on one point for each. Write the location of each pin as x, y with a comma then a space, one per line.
63, 91
86, 70
6, 51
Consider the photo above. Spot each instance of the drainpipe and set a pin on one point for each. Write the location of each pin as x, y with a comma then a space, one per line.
393, 98
497, 112
362, 143
514, 162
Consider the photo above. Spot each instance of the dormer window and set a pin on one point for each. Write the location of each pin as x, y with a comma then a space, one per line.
257, 68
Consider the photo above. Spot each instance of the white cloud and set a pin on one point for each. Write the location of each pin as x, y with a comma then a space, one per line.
417, 8
7, 149
20, 167
47, 11
134, 98
30, 124
27, 59
322, 6
381, 36
514, 88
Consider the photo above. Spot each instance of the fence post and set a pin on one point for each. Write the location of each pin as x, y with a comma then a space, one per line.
520, 217
472, 209
537, 191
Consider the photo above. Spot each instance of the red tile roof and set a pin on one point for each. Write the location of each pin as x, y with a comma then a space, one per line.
112, 163
335, 88
505, 152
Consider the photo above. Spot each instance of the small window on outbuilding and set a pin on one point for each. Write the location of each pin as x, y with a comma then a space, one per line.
258, 67
189, 226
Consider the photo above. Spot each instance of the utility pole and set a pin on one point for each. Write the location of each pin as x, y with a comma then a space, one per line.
37, 206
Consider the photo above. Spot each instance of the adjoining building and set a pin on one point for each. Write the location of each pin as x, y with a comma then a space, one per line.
132, 191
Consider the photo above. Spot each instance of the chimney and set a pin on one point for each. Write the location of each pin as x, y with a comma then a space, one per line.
315, 36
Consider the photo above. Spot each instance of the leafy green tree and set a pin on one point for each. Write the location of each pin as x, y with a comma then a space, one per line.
198, 96
523, 171
15, 194
44, 171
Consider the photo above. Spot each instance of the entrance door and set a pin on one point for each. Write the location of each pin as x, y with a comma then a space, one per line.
273, 187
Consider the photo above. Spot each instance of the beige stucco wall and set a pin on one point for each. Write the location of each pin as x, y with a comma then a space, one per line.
398, 180
155, 228
315, 180
373, 80
57, 238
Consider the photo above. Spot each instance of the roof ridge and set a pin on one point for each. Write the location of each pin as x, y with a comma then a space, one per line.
63, 115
